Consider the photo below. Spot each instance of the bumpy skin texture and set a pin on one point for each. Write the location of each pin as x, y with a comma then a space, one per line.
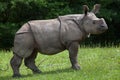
46, 36
52, 36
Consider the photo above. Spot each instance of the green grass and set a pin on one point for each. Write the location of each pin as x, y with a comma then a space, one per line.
96, 64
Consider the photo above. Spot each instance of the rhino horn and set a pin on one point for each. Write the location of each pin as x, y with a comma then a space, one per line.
85, 9
96, 8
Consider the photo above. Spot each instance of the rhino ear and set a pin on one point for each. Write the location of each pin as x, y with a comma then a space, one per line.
96, 8
85, 9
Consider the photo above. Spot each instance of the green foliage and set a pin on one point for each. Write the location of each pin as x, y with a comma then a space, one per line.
96, 64
18, 12
7, 32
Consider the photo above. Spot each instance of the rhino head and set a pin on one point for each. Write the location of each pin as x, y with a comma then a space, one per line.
92, 24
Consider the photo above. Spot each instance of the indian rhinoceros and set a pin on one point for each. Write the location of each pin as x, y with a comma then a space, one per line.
53, 36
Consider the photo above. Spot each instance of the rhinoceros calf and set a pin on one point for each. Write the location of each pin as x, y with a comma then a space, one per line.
53, 36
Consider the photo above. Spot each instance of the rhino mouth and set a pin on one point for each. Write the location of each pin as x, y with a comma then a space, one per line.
102, 29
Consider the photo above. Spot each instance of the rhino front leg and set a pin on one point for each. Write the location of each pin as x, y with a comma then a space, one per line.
15, 64
73, 50
30, 62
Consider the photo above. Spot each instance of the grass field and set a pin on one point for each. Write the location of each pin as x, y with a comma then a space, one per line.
96, 64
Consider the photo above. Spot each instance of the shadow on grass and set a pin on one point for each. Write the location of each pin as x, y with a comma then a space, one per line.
16, 78
43, 73
58, 71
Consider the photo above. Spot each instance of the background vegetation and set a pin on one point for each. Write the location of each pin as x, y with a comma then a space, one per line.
13, 13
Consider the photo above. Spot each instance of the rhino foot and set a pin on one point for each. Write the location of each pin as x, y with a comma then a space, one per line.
76, 67
37, 72
16, 76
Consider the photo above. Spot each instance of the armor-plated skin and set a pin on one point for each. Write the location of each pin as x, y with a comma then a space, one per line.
53, 36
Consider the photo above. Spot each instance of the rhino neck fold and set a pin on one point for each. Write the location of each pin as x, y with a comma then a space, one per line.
80, 26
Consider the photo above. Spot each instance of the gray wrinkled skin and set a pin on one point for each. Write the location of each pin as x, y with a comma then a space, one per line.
53, 36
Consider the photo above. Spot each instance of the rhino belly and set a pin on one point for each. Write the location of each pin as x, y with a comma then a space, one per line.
23, 44
49, 45
50, 49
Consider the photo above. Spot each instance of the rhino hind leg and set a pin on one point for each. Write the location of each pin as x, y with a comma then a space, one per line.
30, 62
15, 64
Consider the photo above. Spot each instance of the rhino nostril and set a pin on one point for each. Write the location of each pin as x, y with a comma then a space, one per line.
102, 26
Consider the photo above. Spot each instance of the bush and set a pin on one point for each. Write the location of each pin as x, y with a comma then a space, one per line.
7, 32
13, 13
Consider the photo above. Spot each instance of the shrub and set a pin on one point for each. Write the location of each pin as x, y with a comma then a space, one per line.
13, 13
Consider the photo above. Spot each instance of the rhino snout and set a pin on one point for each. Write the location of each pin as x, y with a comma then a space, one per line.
103, 25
